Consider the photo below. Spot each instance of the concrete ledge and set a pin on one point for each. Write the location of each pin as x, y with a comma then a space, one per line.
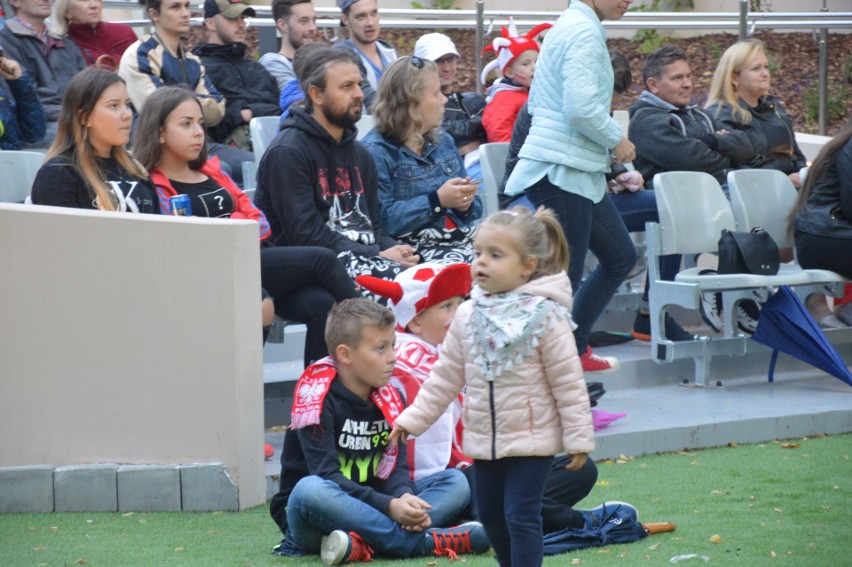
149, 488
27, 489
207, 487
85, 488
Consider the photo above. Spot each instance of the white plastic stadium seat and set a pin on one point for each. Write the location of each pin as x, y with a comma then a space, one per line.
492, 159
693, 211
20, 170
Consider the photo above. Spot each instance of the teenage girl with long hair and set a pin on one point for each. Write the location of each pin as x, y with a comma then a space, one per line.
305, 281
87, 166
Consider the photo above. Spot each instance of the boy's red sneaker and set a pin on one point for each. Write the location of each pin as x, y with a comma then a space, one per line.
338, 547
469, 537
268, 451
594, 363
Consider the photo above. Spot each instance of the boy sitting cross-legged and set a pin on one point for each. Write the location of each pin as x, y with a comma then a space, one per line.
344, 492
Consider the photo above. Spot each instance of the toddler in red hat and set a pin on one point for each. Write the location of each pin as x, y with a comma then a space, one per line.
424, 299
516, 57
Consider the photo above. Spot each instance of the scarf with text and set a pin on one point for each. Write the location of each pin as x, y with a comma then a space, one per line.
309, 395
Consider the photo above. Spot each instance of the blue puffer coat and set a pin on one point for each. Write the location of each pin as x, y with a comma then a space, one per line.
21, 115
571, 95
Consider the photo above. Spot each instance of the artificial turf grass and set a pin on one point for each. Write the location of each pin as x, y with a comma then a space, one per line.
759, 499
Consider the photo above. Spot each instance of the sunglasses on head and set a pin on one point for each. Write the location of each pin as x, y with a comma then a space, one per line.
416, 61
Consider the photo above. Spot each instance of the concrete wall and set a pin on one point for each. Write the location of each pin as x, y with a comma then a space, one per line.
130, 339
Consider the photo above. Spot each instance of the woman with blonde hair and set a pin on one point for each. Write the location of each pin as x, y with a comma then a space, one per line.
101, 42
88, 166
739, 99
426, 198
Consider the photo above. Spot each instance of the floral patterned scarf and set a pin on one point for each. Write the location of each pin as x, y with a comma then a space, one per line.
507, 327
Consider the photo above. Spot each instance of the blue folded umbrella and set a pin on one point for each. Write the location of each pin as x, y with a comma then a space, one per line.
786, 325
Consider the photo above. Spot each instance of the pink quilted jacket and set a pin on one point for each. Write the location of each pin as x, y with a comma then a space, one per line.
540, 407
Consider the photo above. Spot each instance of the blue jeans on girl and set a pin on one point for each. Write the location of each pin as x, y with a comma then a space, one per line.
508, 493
589, 226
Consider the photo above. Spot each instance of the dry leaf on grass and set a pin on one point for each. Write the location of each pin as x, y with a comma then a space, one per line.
790, 445
178, 549
576, 561
39, 548
715, 538
773, 554
655, 546
696, 462
779, 510
81, 561
734, 445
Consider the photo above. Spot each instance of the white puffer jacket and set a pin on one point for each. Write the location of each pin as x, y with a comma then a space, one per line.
538, 407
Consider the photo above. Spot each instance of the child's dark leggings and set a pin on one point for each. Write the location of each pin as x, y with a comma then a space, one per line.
508, 492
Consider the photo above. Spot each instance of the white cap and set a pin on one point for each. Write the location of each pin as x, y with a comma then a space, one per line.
433, 46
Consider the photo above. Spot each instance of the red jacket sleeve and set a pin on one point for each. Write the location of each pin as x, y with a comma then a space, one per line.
500, 114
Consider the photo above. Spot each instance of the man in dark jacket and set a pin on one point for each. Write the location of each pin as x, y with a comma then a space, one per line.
317, 185
669, 132
248, 88
50, 60
463, 111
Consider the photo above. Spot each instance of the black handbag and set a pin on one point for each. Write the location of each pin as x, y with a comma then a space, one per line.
748, 253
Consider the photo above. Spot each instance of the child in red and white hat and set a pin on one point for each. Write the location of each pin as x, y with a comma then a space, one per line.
424, 299
516, 57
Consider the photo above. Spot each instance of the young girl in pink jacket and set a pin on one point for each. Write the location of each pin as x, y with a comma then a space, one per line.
512, 346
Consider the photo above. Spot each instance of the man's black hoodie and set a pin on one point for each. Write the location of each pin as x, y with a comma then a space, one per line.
316, 191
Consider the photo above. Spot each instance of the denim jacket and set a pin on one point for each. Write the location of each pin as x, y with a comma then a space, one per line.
409, 183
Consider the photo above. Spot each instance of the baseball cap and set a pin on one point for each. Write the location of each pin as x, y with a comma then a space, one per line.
229, 8
345, 4
433, 46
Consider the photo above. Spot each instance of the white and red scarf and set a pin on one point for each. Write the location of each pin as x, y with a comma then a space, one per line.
309, 396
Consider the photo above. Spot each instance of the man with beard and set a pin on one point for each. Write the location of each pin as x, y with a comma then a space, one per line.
317, 185
362, 19
296, 20
248, 88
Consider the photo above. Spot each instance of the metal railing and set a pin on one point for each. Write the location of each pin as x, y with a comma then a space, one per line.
483, 22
